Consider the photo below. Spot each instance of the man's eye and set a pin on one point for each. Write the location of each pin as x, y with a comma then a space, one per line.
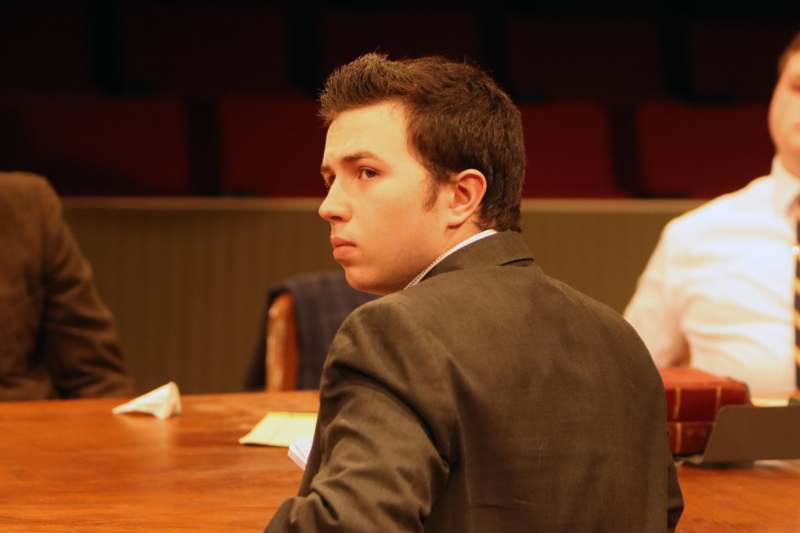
328, 181
366, 173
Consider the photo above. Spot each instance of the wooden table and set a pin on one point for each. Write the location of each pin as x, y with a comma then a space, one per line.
764, 498
73, 466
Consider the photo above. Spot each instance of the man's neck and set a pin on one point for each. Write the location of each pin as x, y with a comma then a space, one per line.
459, 235
791, 165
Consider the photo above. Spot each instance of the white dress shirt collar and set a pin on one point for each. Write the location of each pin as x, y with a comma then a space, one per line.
454, 249
787, 189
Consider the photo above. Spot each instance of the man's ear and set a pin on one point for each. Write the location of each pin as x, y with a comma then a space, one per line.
467, 189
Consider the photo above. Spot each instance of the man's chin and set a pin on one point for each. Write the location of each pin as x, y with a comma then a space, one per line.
361, 282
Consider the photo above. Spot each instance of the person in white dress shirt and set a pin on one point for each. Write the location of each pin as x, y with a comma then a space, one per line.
717, 292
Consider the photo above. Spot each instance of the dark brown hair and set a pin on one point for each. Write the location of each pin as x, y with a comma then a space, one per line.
794, 46
458, 118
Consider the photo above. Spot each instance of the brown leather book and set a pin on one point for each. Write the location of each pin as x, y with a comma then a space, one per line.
686, 438
694, 395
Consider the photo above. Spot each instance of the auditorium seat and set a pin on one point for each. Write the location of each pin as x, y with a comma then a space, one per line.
568, 151
607, 60
701, 151
270, 146
736, 60
44, 45
91, 144
345, 35
203, 49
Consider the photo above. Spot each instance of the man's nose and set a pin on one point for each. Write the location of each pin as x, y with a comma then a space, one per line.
334, 208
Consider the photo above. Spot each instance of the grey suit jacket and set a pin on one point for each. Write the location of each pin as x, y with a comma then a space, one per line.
490, 397
57, 339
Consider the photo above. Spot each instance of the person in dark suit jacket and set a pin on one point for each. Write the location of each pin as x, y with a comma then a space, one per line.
57, 339
477, 395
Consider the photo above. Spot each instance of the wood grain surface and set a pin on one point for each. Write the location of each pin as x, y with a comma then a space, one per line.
764, 497
73, 466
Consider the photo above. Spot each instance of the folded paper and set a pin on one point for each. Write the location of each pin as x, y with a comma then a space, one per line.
163, 402
280, 428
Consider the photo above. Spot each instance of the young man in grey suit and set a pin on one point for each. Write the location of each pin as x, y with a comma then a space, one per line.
477, 395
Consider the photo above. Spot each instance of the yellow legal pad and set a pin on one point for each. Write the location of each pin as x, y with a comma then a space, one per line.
281, 428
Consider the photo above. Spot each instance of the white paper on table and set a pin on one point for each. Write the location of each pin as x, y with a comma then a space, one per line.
299, 451
163, 402
281, 428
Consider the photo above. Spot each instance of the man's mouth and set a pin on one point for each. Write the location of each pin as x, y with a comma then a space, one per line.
342, 248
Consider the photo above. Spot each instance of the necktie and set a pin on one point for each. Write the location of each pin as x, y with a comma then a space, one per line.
797, 304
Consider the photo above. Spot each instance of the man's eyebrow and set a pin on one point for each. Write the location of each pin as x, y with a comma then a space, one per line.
350, 158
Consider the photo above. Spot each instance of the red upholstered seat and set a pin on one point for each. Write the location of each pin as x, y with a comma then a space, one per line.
568, 151
90, 144
271, 146
701, 151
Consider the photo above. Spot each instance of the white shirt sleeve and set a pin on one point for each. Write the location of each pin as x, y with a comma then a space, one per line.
654, 310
